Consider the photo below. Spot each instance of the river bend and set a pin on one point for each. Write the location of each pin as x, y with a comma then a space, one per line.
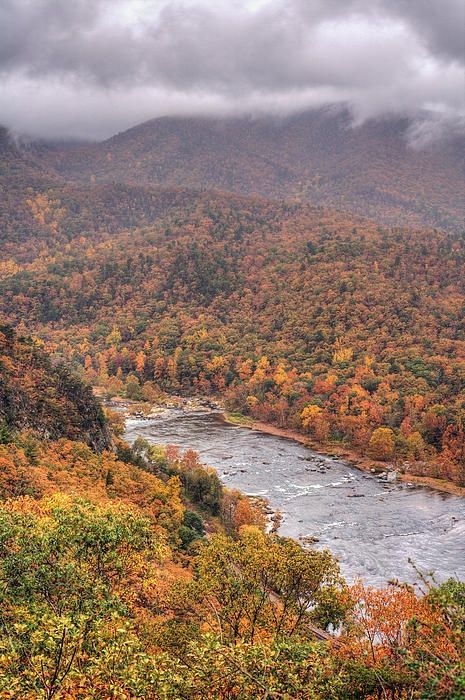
372, 527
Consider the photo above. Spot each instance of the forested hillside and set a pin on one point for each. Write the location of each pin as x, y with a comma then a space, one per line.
377, 170
109, 587
41, 213
20, 179
268, 275
326, 322
44, 398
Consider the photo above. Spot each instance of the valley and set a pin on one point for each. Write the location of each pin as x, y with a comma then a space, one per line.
293, 314
315, 297
232, 350
375, 529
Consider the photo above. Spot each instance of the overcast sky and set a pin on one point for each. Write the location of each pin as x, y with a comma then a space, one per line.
90, 68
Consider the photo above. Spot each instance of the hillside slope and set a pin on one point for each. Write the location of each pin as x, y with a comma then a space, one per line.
40, 211
48, 400
315, 156
277, 307
21, 178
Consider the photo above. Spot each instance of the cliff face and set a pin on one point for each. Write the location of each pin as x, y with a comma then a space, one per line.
47, 399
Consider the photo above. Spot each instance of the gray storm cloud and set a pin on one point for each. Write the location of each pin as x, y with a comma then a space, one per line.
87, 68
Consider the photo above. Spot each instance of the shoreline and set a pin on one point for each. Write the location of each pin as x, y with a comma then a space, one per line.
364, 464
356, 460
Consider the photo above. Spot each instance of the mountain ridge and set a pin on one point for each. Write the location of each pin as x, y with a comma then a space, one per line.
318, 157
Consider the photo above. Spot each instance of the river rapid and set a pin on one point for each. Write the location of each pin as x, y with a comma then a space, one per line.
372, 527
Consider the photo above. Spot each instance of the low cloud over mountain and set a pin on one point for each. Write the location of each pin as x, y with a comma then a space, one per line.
92, 67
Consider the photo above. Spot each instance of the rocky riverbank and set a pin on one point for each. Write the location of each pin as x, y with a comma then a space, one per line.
141, 411
373, 526
146, 411
385, 472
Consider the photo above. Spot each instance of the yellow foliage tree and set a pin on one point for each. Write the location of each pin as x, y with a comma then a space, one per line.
382, 444
309, 414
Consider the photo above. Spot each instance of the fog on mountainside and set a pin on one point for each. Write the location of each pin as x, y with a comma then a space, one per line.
317, 157
232, 350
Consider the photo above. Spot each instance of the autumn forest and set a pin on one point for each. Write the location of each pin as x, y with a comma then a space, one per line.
319, 290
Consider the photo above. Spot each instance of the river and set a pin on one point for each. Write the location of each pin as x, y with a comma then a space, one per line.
372, 527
